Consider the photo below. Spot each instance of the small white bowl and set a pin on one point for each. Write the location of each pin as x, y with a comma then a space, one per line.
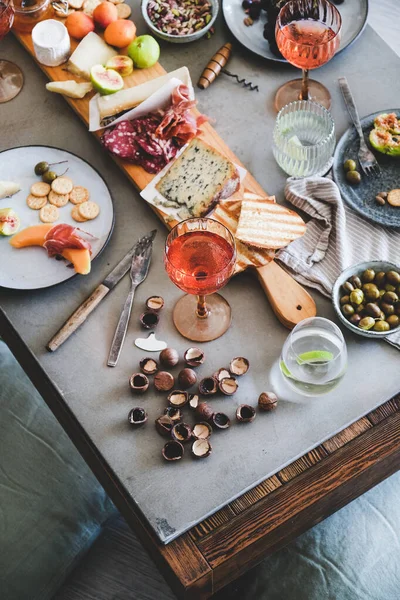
180, 39
377, 265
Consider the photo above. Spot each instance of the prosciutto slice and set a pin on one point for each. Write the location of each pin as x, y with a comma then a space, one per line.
178, 121
63, 236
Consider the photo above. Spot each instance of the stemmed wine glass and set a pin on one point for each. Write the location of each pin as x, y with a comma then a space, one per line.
11, 78
200, 258
308, 35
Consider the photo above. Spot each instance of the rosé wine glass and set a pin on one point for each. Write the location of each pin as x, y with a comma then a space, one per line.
200, 258
11, 78
308, 35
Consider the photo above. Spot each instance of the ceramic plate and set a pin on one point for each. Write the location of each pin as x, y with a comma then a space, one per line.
361, 197
354, 14
30, 268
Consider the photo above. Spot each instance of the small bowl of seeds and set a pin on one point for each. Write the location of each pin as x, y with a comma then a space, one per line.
180, 21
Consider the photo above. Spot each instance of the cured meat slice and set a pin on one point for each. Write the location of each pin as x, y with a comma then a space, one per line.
63, 236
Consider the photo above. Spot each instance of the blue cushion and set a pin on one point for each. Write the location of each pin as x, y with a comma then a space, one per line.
51, 505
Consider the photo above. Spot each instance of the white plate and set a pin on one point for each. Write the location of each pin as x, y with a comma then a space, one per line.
354, 16
31, 268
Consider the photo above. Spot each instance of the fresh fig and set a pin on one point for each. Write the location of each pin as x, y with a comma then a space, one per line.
9, 221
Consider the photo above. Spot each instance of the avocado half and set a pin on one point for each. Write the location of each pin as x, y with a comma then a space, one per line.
385, 137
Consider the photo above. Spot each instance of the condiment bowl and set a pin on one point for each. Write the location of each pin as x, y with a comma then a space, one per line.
180, 39
377, 266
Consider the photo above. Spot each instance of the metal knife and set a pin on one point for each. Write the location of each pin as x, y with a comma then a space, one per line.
138, 273
87, 307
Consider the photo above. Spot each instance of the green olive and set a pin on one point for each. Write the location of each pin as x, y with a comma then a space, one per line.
394, 321
41, 167
355, 319
49, 176
380, 279
397, 309
360, 309
390, 298
350, 165
371, 291
348, 287
381, 326
382, 316
368, 275
345, 300
393, 277
353, 177
389, 287
373, 310
366, 323
388, 309
356, 282
348, 310
382, 293
357, 297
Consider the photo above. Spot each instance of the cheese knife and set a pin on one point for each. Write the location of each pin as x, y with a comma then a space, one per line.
88, 306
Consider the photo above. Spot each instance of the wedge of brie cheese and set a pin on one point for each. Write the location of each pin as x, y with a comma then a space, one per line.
92, 50
8, 188
70, 88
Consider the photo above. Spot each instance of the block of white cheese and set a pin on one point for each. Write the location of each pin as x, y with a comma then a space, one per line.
8, 188
92, 50
51, 42
70, 88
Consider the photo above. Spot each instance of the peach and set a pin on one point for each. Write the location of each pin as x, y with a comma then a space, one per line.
104, 14
120, 33
79, 24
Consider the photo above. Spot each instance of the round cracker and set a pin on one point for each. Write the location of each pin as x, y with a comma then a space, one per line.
58, 200
89, 6
124, 11
79, 194
89, 210
117, 2
61, 13
49, 213
62, 185
394, 197
77, 4
40, 189
76, 216
36, 202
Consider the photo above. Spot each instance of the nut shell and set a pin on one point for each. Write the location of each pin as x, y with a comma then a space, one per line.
178, 398
201, 448
204, 411
181, 432
155, 303
245, 413
201, 431
239, 366
222, 373
187, 378
164, 381
164, 425
208, 386
194, 357
148, 366
138, 383
267, 401
221, 420
169, 357
149, 319
173, 450
173, 413
228, 386
137, 416
193, 400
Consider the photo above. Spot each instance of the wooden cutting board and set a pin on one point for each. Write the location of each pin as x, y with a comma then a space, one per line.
275, 279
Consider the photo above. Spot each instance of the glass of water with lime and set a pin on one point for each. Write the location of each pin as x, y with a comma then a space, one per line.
314, 357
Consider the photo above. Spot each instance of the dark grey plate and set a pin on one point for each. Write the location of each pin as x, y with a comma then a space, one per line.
361, 197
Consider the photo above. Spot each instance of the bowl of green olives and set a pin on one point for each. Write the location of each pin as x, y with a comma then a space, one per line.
366, 298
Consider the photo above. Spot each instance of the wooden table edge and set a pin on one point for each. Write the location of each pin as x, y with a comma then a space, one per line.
201, 561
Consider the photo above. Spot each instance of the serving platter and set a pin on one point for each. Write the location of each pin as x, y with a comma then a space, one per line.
30, 268
361, 198
354, 16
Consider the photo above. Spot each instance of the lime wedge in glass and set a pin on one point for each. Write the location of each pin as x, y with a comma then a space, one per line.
314, 356
285, 370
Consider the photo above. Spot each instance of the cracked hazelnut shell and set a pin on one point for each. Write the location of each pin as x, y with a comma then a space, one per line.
178, 398
138, 383
245, 413
194, 357
164, 425
201, 448
169, 357
204, 411
181, 432
187, 378
267, 401
193, 400
164, 381
208, 386
201, 431
149, 319
173, 413
239, 366
228, 386
173, 450
137, 416
222, 374
148, 366
221, 420
155, 303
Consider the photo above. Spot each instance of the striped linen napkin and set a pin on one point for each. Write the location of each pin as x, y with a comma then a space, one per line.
336, 237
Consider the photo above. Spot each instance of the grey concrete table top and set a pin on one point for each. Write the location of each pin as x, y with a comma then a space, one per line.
174, 497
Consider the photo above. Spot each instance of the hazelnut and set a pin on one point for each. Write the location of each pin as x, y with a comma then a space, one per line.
164, 425
208, 386
148, 366
139, 383
178, 398
194, 357
173, 413
164, 381
137, 416
228, 386
239, 366
187, 378
149, 319
172, 450
245, 413
193, 400
221, 420
201, 448
267, 401
204, 411
155, 303
181, 432
221, 374
169, 357
201, 431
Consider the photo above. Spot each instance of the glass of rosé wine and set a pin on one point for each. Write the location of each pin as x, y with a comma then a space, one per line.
199, 258
11, 78
308, 35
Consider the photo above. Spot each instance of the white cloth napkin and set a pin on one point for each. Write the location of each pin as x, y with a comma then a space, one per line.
336, 237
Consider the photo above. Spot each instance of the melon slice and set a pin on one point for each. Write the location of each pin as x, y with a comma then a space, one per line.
80, 258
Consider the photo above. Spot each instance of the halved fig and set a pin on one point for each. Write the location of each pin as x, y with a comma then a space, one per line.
201, 448
239, 366
228, 386
9, 221
105, 81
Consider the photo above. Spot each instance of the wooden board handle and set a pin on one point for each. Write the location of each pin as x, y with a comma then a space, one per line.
78, 317
289, 300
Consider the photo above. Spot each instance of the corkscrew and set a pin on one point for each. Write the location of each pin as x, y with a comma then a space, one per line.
216, 66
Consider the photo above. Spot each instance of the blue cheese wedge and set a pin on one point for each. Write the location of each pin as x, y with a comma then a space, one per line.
92, 50
199, 178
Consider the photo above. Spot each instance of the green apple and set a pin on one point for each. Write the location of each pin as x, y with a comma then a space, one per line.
9, 221
105, 81
144, 51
